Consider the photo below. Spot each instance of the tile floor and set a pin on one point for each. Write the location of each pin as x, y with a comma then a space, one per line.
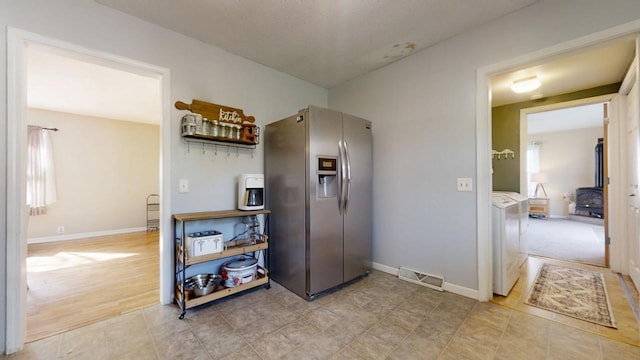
378, 317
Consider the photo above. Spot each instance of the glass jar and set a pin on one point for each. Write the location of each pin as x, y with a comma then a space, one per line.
231, 133
215, 128
238, 131
223, 130
248, 229
206, 126
199, 125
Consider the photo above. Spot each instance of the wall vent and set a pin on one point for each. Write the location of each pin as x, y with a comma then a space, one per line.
420, 278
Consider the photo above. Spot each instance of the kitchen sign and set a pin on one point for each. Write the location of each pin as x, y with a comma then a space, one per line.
230, 116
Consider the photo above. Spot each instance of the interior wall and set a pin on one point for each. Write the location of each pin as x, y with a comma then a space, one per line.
423, 110
196, 71
505, 132
105, 169
568, 158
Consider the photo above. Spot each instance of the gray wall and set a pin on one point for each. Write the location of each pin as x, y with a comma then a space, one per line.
423, 110
505, 132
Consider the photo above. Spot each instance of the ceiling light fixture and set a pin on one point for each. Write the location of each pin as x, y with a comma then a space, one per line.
525, 85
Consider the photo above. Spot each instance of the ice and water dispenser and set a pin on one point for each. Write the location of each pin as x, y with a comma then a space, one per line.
327, 186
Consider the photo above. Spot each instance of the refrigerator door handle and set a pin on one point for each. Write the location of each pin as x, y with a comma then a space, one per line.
347, 196
341, 173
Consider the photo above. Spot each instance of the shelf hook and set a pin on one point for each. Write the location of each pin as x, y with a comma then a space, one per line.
216, 150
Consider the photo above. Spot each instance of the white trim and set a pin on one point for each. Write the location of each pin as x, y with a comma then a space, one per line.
16, 315
68, 237
166, 270
461, 290
16, 168
384, 268
484, 187
630, 78
617, 187
483, 138
452, 288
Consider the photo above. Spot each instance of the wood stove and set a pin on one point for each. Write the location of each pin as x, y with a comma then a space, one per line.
590, 200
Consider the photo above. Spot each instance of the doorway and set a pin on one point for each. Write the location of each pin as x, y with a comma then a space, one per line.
104, 156
484, 146
18, 41
565, 147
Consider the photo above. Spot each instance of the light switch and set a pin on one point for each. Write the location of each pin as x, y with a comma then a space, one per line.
183, 185
465, 184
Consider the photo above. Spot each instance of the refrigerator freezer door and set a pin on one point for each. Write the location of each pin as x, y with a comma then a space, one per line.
285, 180
325, 222
357, 220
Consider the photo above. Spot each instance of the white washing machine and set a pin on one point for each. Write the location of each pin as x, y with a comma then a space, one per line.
523, 225
523, 205
506, 243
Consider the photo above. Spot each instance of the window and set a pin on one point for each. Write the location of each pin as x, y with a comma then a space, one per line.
533, 165
41, 187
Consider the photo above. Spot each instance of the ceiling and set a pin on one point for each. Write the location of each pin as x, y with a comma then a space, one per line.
68, 82
587, 68
324, 42
331, 42
579, 117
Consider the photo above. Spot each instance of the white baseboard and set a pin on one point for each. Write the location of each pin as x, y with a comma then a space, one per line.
461, 290
452, 288
66, 237
384, 268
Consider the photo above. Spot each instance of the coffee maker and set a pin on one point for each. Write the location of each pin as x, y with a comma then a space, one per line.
251, 192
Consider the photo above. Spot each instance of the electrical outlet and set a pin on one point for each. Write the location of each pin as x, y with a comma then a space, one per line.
60, 229
183, 185
465, 184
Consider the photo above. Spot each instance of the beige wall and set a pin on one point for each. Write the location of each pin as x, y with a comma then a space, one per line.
104, 170
568, 158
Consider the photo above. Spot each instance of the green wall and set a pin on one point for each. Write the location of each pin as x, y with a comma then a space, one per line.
505, 133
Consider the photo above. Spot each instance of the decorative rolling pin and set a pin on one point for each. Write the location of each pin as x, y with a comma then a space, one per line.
215, 111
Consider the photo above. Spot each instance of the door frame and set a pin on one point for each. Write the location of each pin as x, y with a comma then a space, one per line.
483, 138
632, 78
16, 253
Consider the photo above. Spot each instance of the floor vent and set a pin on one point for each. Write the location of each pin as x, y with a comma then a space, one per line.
420, 278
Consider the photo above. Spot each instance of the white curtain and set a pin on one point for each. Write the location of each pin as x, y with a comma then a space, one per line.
533, 165
41, 185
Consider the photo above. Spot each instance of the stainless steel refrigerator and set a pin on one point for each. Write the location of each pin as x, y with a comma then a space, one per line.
318, 169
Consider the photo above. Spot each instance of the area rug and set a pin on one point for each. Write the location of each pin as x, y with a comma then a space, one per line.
572, 292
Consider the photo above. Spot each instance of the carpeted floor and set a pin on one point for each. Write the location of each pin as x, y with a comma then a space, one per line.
566, 240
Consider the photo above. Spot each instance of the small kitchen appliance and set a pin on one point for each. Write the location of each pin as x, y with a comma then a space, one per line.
251, 192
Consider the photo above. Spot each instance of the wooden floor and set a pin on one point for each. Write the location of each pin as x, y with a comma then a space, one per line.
80, 282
